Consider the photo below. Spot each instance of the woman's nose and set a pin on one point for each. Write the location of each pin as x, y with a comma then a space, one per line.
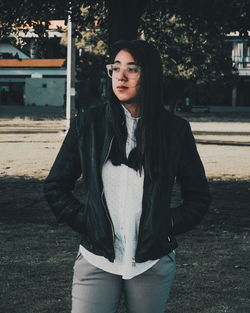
121, 75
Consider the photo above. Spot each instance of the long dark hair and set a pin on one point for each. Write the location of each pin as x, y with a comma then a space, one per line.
148, 153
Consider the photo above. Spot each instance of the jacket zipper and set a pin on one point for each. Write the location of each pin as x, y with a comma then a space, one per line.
106, 209
172, 224
133, 262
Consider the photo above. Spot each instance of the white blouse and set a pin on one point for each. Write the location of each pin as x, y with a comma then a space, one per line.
123, 189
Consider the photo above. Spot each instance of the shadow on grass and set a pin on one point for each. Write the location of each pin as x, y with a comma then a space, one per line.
22, 201
37, 255
230, 205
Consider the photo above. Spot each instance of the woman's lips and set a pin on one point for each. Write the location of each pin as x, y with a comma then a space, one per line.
122, 87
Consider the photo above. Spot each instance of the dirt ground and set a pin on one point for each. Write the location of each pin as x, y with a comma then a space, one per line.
37, 255
28, 147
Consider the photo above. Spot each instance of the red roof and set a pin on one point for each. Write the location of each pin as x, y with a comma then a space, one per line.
32, 62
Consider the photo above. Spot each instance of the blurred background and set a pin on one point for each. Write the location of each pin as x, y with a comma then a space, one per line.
52, 64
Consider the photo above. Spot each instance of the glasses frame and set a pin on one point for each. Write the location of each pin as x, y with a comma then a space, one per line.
125, 68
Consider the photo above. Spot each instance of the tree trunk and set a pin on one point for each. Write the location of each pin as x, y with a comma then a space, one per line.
123, 18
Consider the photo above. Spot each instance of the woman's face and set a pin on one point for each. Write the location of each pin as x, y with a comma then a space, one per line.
125, 80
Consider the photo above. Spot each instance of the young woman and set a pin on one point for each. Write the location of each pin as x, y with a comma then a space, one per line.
129, 153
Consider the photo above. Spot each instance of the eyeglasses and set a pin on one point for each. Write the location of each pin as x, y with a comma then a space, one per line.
132, 71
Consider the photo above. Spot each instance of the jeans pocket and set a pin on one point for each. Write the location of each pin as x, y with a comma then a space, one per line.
78, 256
171, 256
164, 266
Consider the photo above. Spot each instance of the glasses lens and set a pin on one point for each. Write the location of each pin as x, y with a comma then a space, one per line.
131, 71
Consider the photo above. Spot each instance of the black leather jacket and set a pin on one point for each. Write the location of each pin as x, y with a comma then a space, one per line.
85, 150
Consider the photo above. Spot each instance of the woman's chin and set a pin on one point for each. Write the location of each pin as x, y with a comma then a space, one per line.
127, 100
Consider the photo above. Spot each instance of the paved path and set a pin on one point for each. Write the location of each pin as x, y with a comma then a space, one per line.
227, 133
223, 133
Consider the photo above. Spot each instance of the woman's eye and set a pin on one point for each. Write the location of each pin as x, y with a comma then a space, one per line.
116, 68
133, 69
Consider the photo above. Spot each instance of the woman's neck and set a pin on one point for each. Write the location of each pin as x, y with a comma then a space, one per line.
132, 108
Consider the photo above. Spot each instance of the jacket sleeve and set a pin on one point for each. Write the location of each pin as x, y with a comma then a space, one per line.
194, 187
60, 183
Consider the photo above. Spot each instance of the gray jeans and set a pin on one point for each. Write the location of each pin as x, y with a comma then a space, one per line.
97, 291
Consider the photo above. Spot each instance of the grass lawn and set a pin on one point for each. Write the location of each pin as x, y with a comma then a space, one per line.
37, 255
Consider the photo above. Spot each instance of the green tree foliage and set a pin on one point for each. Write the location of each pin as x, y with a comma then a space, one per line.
92, 32
194, 57
216, 15
37, 13
17, 13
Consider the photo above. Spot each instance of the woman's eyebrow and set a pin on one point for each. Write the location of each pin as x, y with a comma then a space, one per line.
130, 63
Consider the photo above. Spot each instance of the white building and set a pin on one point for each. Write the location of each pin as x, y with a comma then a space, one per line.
36, 82
25, 80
